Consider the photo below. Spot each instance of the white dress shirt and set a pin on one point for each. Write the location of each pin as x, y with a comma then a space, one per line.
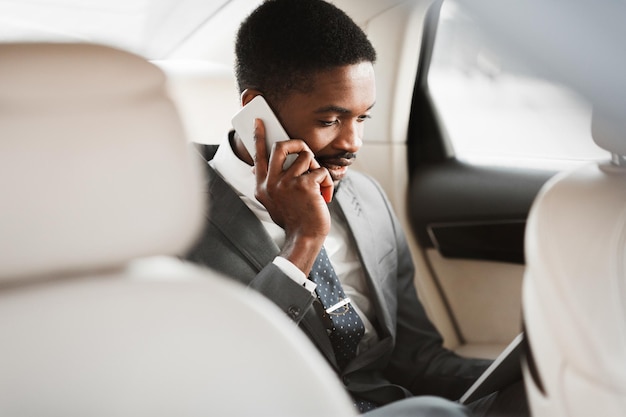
339, 245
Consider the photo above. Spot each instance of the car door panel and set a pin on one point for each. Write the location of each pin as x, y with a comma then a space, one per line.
469, 221
473, 212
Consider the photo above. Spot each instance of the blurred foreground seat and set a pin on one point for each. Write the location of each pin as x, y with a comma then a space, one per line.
574, 296
96, 178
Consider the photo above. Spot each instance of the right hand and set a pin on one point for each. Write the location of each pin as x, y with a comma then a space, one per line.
296, 198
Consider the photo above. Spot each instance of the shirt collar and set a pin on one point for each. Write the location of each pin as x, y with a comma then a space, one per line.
234, 171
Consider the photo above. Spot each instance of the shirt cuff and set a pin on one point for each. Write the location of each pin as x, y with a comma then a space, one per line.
294, 273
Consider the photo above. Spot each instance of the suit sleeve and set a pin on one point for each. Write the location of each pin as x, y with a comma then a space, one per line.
419, 361
235, 243
216, 251
290, 297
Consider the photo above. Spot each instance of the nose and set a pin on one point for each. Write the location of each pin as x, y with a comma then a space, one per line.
351, 137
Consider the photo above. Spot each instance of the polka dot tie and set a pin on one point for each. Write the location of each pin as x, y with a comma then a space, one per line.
347, 327
364, 405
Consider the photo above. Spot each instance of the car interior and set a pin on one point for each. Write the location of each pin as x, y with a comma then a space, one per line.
500, 148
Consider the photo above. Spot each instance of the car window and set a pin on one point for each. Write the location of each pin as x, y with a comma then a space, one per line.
496, 110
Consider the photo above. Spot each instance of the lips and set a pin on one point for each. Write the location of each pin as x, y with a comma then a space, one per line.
337, 167
336, 163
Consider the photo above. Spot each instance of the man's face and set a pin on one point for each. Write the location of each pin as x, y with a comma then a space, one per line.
330, 118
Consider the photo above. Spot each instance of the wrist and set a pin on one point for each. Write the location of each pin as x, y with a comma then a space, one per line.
302, 251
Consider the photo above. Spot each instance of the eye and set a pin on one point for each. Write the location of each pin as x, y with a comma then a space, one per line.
328, 123
364, 117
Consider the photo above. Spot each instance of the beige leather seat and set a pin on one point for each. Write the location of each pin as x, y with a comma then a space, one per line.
96, 179
574, 295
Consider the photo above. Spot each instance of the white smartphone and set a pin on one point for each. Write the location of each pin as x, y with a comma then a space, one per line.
243, 122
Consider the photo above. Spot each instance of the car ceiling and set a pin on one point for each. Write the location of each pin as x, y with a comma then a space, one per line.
580, 44
155, 29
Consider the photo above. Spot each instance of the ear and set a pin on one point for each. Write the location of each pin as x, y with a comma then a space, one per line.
248, 94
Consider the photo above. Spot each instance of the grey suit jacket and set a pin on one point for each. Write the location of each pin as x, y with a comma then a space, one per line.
409, 358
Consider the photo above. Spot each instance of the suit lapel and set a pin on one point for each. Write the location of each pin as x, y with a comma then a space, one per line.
238, 224
359, 220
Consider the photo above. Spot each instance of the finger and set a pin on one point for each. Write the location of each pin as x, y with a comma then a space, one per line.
327, 187
325, 182
303, 163
260, 158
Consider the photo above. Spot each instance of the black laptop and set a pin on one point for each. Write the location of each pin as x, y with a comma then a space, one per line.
505, 370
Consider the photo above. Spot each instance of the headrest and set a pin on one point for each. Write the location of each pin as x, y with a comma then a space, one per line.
94, 166
607, 132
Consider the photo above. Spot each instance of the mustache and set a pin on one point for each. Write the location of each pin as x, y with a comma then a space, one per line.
344, 155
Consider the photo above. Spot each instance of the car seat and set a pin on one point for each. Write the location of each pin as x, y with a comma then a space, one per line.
574, 291
100, 191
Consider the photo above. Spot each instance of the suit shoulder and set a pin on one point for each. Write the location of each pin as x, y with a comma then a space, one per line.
363, 184
361, 180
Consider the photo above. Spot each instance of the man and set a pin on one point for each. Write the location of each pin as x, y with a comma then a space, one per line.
267, 226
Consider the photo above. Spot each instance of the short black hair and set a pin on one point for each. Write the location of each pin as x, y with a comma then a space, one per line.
282, 43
